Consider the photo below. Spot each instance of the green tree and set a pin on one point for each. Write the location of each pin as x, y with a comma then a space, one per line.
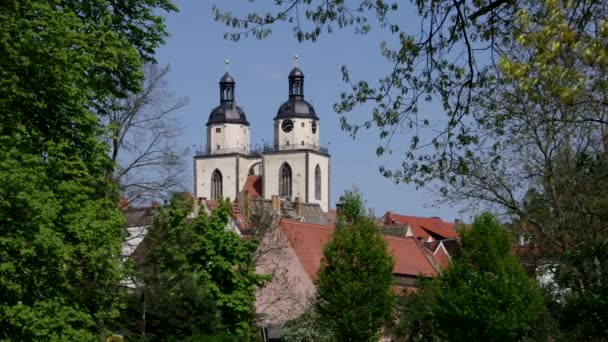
415, 318
60, 233
197, 277
354, 295
485, 293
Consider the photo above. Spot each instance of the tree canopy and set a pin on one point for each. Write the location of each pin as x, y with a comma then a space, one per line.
485, 294
197, 277
60, 231
354, 295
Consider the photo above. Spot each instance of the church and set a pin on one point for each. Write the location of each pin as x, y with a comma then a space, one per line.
295, 167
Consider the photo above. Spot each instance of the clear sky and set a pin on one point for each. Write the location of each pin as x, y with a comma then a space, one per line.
196, 52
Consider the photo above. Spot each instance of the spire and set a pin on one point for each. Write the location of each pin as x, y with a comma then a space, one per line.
226, 85
296, 80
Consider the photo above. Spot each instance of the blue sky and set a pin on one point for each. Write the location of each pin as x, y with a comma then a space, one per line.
196, 52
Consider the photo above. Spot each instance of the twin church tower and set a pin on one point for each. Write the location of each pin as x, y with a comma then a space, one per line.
294, 166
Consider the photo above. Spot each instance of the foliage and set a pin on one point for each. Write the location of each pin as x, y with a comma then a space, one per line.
60, 234
354, 296
415, 318
308, 327
197, 276
485, 293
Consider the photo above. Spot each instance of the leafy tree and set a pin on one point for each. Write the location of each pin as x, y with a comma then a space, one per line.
197, 277
485, 293
354, 295
415, 318
60, 233
307, 327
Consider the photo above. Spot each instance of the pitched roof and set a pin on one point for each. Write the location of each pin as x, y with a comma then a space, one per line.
253, 186
308, 241
423, 227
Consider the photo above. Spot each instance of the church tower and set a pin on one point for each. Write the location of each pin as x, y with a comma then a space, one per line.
297, 166
221, 169
227, 128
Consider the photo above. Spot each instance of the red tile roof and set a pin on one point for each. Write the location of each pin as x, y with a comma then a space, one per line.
253, 185
308, 240
423, 227
442, 256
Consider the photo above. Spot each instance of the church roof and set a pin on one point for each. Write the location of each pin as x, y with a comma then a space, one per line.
296, 108
227, 112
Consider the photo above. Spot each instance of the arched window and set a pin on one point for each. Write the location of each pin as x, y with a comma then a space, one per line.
318, 182
285, 181
216, 185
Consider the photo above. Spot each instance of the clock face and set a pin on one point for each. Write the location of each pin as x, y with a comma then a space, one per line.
314, 127
287, 126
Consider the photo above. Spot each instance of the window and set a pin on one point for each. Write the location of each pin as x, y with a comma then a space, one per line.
218, 130
302, 142
287, 143
285, 180
303, 124
318, 182
216, 185
217, 147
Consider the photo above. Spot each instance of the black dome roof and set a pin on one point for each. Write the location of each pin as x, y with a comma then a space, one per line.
296, 107
296, 72
227, 112
227, 78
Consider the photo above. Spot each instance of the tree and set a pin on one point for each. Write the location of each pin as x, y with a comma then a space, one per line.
354, 295
447, 61
143, 129
485, 293
60, 233
414, 314
197, 275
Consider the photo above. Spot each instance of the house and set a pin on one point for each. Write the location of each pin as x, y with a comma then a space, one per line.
292, 287
426, 229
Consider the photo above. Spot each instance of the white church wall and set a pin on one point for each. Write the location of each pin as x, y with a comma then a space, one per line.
272, 165
204, 167
323, 162
228, 136
301, 135
245, 163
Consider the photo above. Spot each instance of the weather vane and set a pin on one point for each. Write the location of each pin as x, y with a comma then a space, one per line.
295, 60
226, 64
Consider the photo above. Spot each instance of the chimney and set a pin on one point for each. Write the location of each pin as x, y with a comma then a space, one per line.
339, 204
276, 203
388, 218
298, 206
457, 223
